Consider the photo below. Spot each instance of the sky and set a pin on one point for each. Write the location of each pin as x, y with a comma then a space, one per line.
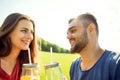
51, 18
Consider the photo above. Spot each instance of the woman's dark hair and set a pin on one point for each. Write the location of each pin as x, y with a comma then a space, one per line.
5, 43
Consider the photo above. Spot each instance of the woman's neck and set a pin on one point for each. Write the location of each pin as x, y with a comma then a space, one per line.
13, 54
8, 63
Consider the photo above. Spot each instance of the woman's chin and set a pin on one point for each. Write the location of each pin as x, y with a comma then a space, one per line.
26, 48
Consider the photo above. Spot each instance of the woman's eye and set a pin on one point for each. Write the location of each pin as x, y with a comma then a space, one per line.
24, 31
32, 32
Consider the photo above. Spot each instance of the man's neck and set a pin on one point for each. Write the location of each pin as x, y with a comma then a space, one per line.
90, 57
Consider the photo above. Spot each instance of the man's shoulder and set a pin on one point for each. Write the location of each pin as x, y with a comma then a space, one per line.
76, 62
113, 62
112, 55
113, 58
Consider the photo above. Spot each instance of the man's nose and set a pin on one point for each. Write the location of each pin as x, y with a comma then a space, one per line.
68, 35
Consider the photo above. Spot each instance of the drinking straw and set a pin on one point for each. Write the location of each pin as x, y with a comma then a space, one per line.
51, 74
51, 54
29, 55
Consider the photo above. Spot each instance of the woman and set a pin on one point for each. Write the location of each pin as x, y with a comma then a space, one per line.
17, 34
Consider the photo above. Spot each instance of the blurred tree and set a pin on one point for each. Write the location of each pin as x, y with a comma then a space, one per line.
44, 45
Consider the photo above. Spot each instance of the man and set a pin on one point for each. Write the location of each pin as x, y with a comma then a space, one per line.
95, 63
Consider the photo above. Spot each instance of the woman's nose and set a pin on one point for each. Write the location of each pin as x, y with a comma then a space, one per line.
30, 36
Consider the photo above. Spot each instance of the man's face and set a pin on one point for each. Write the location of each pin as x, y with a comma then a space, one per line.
77, 36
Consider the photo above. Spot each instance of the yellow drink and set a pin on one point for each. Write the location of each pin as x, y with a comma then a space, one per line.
29, 78
25, 78
30, 72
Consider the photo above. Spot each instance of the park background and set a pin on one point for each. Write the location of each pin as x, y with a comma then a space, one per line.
51, 18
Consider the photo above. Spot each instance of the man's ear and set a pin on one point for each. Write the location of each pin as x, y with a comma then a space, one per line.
91, 27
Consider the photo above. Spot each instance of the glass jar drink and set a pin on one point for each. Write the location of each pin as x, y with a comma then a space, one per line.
53, 72
30, 72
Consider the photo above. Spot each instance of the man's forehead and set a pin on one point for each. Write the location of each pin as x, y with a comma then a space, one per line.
72, 23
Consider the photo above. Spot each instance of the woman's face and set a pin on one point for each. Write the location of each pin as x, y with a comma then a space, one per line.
22, 35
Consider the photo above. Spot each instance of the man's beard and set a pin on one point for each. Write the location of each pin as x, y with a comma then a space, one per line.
80, 43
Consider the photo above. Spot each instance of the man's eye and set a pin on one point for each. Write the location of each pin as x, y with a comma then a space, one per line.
72, 31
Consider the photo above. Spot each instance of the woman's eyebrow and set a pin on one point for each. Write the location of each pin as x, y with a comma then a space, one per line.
24, 28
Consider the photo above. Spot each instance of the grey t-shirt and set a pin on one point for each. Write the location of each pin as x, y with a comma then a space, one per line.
106, 68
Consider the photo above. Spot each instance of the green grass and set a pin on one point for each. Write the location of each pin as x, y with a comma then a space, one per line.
64, 60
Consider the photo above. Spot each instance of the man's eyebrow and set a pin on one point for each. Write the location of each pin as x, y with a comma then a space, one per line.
71, 27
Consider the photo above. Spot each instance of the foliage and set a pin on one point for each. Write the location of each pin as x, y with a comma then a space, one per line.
45, 46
